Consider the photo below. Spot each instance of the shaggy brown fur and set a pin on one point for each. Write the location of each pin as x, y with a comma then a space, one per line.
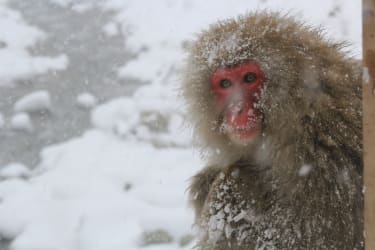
299, 185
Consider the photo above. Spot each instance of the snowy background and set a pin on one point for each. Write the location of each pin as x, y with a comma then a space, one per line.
94, 154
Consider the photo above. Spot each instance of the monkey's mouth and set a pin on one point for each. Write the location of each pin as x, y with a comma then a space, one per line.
241, 123
244, 134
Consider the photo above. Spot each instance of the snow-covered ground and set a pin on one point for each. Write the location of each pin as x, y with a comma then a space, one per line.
121, 184
16, 61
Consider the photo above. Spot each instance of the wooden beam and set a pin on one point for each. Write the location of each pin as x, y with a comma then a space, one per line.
368, 16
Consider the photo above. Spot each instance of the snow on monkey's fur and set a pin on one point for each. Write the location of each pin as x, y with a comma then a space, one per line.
311, 115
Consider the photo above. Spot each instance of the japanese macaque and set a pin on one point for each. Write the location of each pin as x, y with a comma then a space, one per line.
276, 111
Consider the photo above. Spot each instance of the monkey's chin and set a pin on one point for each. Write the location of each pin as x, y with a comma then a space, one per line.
244, 137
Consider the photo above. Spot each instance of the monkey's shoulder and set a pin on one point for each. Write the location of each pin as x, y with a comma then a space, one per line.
200, 186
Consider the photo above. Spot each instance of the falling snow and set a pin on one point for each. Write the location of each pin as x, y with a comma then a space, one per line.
94, 150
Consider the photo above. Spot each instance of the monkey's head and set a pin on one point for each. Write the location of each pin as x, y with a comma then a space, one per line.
259, 80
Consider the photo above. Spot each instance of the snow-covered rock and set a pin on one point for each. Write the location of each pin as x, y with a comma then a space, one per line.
111, 29
14, 170
86, 100
44, 64
152, 115
21, 121
36, 101
16, 38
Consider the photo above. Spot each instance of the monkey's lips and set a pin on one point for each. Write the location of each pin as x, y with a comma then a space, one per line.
244, 135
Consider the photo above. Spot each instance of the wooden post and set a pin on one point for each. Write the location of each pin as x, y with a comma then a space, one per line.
368, 16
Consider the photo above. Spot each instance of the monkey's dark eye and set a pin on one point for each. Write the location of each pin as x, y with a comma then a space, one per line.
250, 77
225, 83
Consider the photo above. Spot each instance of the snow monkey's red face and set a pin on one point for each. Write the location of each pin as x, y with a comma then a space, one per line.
237, 91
